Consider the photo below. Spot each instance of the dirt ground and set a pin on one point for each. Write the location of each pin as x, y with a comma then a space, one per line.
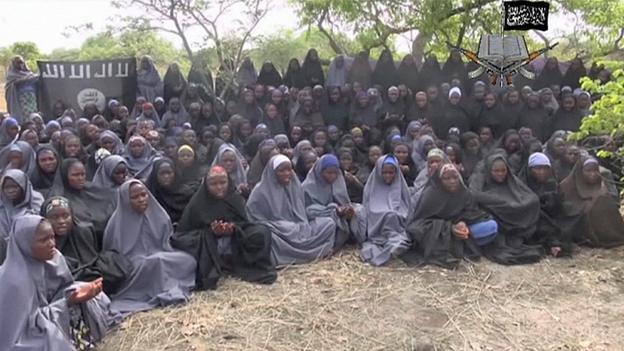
343, 304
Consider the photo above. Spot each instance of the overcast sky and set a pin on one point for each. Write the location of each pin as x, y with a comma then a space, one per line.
45, 21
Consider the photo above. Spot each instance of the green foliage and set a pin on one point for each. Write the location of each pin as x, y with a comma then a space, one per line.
28, 50
281, 47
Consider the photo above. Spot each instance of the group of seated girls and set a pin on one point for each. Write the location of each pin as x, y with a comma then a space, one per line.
102, 217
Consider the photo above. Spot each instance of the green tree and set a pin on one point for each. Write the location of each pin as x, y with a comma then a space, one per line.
281, 47
28, 50
606, 123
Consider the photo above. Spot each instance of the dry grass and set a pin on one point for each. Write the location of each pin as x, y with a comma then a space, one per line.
343, 304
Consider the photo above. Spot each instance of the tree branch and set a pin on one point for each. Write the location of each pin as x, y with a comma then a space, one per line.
332, 42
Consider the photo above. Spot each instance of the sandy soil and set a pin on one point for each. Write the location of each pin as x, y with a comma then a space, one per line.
343, 304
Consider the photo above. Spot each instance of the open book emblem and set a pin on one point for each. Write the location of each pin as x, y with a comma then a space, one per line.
502, 56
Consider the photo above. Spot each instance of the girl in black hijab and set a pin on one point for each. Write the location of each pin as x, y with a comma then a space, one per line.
79, 245
360, 71
574, 73
335, 112
492, 115
216, 231
294, 75
200, 75
385, 73
567, 117
516, 210
47, 167
408, 72
430, 73
90, 204
174, 81
170, 194
439, 226
269, 75
454, 68
312, 70
587, 198
550, 75
535, 117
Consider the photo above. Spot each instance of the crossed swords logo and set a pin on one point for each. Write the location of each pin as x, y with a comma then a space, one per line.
506, 70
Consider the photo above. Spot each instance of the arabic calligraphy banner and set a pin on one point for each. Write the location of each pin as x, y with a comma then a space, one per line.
525, 15
76, 83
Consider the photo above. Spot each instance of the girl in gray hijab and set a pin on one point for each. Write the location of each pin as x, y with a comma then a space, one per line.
140, 230
18, 198
111, 173
278, 202
326, 196
42, 307
383, 217
149, 83
19, 155
231, 160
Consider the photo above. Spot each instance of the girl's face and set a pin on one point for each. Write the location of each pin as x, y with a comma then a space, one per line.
165, 175
47, 161
249, 96
245, 129
189, 137
374, 153
388, 173
120, 174
512, 143
451, 154
472, 146
43, 246
568, 103
421, 100
16, 159
572, 154
433, 164
499, 171
61, 220
186, 158
485, 135
228, 161
108, 143
489, 100
560, 147
271, 111
450, 181
541, 173
513, 97
583, 101
454, 98
76, 176
309, 159
136, 148
12, 191
72, 147
32, 139
139, 198
591, 174
284, 173
320, 139
217, 185
208, 137
401, 152
330, 175
334, 96
225, 133
346, 161
295, 134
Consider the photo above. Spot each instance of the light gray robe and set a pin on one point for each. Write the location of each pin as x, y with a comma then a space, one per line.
322, 199
33, 297
384, 214
282, 208
161, 276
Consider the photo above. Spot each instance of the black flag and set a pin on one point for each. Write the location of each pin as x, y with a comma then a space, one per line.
75, 83
525, 15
